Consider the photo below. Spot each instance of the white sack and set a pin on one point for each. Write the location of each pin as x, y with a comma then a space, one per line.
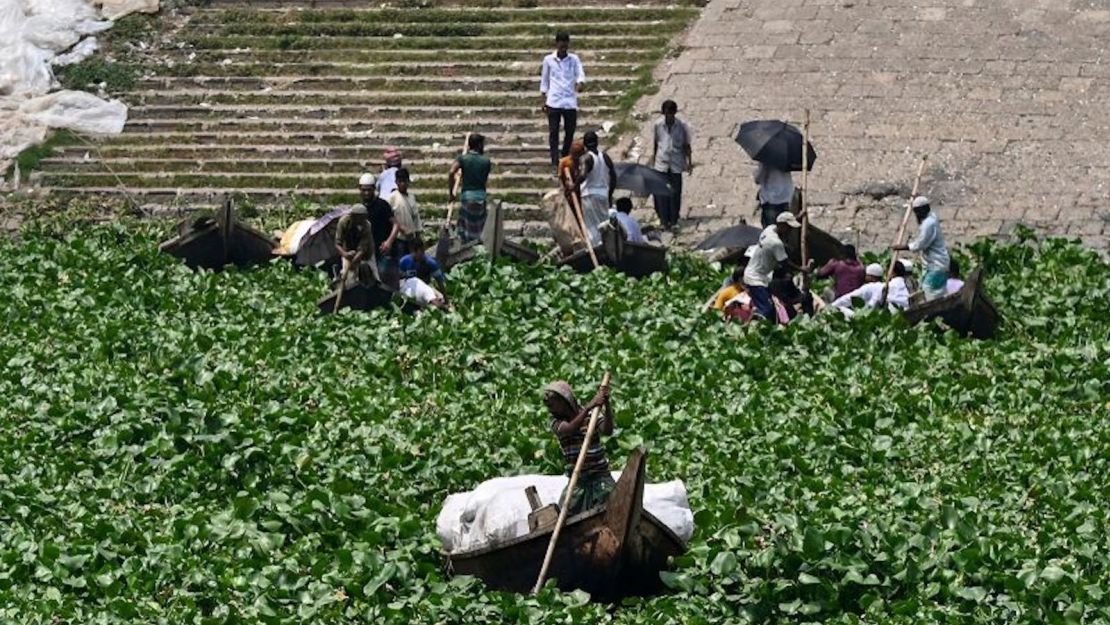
33, 33
497, 510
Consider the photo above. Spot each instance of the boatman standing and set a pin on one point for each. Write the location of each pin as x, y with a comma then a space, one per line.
929, 242
569, 421
355, 244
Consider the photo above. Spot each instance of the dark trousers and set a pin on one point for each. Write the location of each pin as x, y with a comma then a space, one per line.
669, 208
769, 212
761, 300
569, 118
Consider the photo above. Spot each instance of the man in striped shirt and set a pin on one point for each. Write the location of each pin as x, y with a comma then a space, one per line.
569, 421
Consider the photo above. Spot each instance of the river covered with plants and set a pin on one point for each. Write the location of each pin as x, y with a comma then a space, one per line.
186, 447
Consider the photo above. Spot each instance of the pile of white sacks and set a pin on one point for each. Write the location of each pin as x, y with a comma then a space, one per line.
36, 35
497, 510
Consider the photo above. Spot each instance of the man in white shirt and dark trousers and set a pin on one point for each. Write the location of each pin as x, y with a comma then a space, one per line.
671, 155
561, 79
766, 256
776, 189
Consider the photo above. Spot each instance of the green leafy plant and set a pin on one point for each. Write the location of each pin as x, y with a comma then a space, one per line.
189, 447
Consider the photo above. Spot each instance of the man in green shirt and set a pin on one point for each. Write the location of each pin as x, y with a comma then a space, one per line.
473, 168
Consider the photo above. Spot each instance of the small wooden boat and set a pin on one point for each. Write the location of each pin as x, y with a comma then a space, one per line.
611, 551
823, 246
359, 296
218, 241
968, 311
632, 259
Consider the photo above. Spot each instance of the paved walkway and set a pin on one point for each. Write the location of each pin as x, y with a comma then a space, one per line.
1010, 98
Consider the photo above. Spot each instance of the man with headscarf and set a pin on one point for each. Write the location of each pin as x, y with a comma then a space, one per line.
387, 182
569, 422
597, 183
355, 243
929, 242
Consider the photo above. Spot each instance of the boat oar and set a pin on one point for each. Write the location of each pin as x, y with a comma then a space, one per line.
805, 202
443, 246
581, 220
902, 228
565, 504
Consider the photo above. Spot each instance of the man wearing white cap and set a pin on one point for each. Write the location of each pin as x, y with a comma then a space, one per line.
767, 255
929, 242
871, 293
380, 215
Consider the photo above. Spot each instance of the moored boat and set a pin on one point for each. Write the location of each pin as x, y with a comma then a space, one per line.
632, 259
611, 551
217, 241
968, 311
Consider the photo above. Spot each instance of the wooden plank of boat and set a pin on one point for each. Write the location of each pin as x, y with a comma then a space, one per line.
519, 252
632, 259
823, 246
216, 242
611, 551
969, 311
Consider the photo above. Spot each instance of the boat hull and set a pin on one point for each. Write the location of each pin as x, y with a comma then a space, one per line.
969, 311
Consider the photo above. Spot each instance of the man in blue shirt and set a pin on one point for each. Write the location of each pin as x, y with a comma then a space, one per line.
418, 270
929, 242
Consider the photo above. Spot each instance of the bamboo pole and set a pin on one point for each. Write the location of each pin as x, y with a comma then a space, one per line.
342, 287
569, 491
576, 207
902, 228
805, 202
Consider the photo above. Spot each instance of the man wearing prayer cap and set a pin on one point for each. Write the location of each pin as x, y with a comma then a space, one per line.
380, 216
569, 421
929, 242
871, 293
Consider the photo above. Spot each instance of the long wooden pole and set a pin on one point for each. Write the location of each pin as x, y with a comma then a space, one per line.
902, 228
342, 287
805, 202
564, 505
576, 207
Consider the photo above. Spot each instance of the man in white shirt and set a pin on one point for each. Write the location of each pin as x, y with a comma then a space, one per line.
631, 227
776, 189
929, 242
871, 293
561, 78
598, 181
387, 181
768, 254
671, 156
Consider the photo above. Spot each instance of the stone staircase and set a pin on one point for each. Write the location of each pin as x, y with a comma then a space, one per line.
277, 101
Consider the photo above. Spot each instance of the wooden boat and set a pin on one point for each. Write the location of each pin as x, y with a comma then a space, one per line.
632, 259
823, 246
611, 551
969, 311
218, 241
359, 297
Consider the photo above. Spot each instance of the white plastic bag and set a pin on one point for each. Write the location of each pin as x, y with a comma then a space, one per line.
497, 510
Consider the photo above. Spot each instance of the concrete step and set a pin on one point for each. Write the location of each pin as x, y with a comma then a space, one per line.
534, 167
457, 124
145, 113
410, 70
480, 42
324, 97
532, 56
391, 84
367, 152
536, 140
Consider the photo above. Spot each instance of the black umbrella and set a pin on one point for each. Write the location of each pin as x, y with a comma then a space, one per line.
641, 180
775, 143
738, 236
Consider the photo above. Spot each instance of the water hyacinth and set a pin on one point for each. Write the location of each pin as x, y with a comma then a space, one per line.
185, 447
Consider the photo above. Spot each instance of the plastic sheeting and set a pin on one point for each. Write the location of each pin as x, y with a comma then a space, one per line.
34, 35
497, 510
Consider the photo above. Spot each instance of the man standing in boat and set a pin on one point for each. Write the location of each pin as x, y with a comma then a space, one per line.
355, 244
929, 242
599, 180
569, 421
